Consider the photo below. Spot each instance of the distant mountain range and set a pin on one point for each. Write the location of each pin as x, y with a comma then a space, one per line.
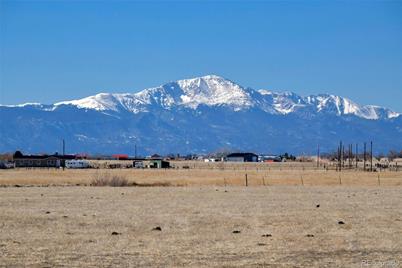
198, 115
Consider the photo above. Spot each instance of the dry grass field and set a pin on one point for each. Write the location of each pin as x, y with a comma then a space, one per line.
203, 176
278, 226
288, 216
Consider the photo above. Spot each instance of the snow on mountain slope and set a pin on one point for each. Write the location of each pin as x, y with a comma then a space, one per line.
99, 102
344, 106
284, 102
28, 104
208, 90
213, 90
288, 102
197, 115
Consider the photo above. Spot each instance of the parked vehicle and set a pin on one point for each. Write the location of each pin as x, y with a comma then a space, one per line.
138, 164
6, 165
77, 164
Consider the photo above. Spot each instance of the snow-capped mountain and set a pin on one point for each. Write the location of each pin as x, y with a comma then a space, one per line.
164, 119
190, 93
213, 90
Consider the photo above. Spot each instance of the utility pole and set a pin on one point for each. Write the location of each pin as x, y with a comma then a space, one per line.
63, 163
364, 157
337, 157
340, 156
135, 151
343, 156
357, 154
318, 156
371, 156
351, 156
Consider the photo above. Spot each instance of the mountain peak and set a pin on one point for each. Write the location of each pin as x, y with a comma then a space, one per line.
213, 90
209, 79
213, 76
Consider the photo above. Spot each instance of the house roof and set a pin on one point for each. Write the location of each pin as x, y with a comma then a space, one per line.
19, 155
241, 155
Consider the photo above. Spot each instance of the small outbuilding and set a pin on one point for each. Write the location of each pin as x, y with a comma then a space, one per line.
396, 163
158, 163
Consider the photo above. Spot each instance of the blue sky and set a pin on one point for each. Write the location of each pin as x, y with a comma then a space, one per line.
53, 51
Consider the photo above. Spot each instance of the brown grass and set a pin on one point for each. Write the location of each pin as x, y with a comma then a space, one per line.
105, 179
277, 226
257, 174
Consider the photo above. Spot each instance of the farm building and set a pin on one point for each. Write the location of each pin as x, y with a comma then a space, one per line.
47, 161
155, 156
396, 163
360, 164
37, 161
158, 163
242, 157
120, 156
384, 163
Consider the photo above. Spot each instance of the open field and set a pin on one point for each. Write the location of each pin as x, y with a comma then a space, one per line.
291, 222
279, 226
204, 176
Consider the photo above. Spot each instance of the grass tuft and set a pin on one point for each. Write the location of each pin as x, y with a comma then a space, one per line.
105, 179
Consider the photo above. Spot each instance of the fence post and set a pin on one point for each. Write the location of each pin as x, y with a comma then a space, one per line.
246, 180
